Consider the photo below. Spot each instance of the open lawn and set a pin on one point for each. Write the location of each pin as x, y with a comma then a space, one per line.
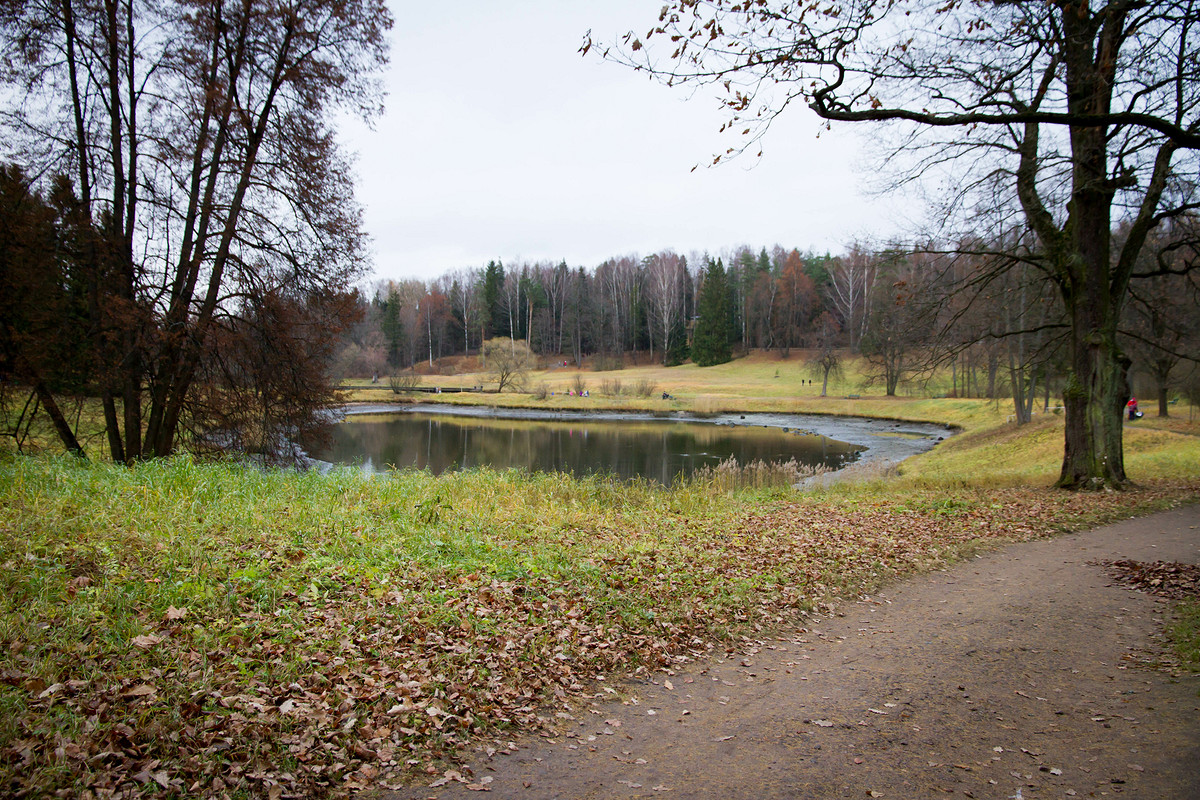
762, 381
209, 629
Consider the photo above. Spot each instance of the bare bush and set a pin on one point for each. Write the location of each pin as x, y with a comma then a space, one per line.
611, 387
403, 382
644, 388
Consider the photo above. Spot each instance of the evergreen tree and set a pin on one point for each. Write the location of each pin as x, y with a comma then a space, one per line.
393, 328
493, 300
710, 344
734, 310
764, 262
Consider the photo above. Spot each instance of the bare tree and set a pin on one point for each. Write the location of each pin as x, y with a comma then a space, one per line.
467, 301
1161, 325
1089, 108
508, 361
197, 138
510, 297
899, 329
666, 274
851, 288
826, 361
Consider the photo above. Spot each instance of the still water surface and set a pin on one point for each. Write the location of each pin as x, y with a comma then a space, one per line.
659, 450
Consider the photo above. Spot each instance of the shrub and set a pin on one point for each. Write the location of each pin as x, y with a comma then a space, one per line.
644, 388
611, 387
403, 382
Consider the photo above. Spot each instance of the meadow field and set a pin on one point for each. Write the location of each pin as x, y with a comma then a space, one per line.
193, 628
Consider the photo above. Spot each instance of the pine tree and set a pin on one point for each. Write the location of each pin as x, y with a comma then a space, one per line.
493, 284
393, 328
710, 344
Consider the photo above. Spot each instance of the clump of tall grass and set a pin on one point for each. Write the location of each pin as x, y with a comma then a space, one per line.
541, 391
578, 384
611, 387
644, 387
729, 475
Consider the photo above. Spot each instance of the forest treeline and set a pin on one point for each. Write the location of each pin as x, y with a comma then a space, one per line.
981, 308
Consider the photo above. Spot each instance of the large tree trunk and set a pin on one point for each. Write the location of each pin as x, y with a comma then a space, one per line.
1098, 387
1094, 400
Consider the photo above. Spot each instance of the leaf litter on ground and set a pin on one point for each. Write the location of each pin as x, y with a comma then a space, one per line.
324, 676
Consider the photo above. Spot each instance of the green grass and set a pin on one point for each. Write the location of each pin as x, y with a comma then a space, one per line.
760, 382
210, 622
1184, 633
210, 616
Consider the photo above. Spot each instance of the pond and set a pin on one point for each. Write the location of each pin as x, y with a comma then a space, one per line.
441, 438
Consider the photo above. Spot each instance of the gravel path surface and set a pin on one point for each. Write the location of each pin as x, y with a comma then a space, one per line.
1019, 674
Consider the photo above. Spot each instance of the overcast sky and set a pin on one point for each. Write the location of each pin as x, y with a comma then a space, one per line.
501, 142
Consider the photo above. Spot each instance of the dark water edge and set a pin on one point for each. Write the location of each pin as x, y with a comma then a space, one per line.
624, 444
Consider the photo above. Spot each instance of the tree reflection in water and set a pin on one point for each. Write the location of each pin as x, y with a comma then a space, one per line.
658, 450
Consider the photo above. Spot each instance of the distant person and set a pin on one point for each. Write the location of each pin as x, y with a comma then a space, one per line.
1133, 408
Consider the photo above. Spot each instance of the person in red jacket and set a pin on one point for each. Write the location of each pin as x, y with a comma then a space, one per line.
1133, 409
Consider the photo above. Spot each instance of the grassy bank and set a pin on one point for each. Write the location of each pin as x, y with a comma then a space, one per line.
760, 382
188, 629
204, 629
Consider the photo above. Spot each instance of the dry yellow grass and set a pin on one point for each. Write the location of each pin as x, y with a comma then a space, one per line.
760, 382
1011, 455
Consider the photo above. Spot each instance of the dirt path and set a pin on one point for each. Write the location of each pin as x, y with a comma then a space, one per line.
1015, 675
